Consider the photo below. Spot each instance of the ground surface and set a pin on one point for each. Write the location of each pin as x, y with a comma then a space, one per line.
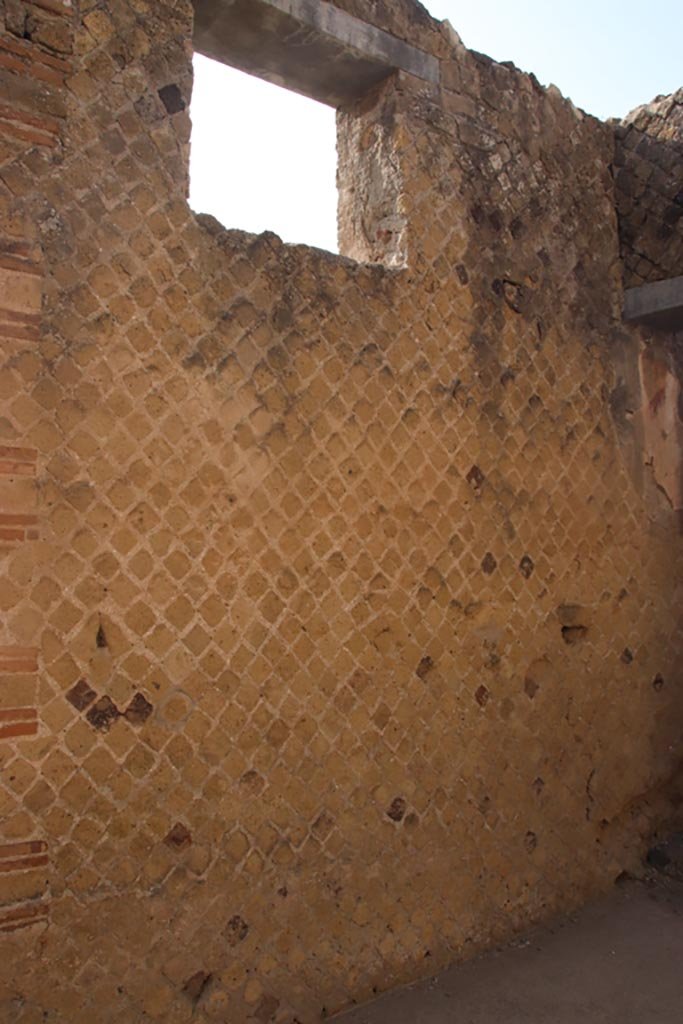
617, 962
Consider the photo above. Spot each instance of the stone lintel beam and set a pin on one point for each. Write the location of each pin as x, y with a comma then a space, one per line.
659, 304
308, 46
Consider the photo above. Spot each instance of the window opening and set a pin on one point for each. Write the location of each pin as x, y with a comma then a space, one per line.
263, 158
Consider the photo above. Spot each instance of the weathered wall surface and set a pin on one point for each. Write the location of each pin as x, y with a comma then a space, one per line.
340, 636
649, 197
649, 190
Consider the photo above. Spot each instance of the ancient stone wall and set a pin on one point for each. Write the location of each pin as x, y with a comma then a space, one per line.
649, 190
340, 628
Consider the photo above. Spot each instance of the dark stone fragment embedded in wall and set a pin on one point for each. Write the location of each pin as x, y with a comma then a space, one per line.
397, 809
172, 99
179, 837
81, 695
139, 710
103, 714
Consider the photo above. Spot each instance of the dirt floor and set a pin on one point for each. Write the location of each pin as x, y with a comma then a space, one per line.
617, 962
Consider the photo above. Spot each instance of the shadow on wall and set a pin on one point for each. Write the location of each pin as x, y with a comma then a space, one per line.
662, 423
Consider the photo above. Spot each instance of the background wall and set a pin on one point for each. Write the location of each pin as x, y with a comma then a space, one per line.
340, 629
649, 189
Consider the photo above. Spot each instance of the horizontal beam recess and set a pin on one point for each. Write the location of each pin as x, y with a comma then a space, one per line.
308, 46
659, 304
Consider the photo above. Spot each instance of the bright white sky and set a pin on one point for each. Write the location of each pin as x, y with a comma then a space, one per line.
264, 158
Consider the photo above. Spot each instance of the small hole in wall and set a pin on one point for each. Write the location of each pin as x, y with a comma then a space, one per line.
262, 158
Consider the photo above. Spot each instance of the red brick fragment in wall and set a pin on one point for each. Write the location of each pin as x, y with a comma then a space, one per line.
23, 916
17, 461
22, 856
18, 527
42, 130
18, 493
18, 659
18, 256
18, 685
33, 73
16, 722
23, 884
22, 58
19, 326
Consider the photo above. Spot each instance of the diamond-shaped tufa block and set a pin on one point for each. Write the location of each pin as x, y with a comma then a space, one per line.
81, 695
139, 710
179, 837
103, 714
